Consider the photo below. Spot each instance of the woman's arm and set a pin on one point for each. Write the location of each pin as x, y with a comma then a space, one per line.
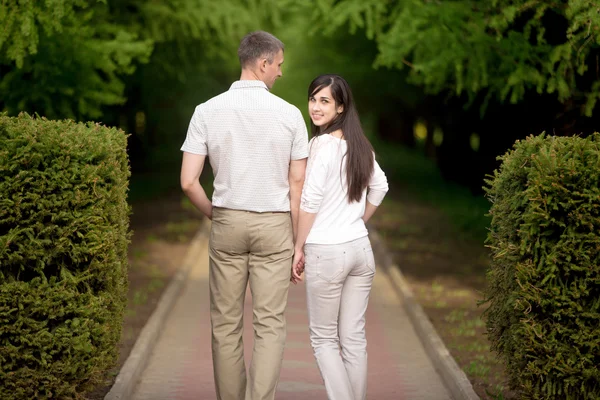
305, 223
369, 211
312, 196
378, 187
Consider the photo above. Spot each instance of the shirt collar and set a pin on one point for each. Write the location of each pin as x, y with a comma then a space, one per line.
248, 85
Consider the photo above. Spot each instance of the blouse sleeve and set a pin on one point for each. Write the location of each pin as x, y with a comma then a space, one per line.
316, 178
378, 186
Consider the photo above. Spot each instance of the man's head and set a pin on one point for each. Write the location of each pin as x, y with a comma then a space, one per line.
261, 54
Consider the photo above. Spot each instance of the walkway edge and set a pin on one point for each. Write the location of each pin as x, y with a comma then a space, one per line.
137, 360
454, 378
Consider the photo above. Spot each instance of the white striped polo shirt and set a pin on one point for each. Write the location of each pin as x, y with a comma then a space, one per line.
250, 136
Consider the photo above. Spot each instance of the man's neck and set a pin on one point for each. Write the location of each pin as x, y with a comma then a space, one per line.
248, 75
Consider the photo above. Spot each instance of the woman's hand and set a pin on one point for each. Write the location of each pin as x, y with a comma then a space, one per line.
297, 266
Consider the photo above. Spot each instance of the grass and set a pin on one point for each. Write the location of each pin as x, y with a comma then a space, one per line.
180, 231
419, 175
478, 368
139, 254
140, 296
151, 185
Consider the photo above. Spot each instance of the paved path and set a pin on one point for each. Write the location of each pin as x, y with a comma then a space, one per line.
181, 368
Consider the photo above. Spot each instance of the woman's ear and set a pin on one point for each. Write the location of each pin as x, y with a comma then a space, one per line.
340, 109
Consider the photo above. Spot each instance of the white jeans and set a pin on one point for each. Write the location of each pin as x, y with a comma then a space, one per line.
338, 283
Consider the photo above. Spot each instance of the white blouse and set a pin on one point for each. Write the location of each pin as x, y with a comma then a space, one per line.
325, 193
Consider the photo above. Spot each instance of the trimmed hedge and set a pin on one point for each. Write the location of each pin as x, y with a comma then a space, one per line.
544, 281
64, 231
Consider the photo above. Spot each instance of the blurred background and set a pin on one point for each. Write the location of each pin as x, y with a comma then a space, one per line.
443, 89
443, 85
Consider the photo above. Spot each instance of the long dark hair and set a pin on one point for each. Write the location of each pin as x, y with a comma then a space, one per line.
359, 157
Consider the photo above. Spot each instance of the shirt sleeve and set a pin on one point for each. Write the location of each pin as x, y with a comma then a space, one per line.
195, 141
378, 185
300, 143
314, 183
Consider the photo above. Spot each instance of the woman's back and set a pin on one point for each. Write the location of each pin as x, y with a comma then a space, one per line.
326, 193
342, 189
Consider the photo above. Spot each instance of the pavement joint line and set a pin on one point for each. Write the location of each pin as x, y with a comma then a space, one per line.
453, 376
293, 386
292, 344
132, 369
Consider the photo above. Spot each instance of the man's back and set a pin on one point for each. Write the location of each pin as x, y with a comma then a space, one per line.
250, 137
257, 145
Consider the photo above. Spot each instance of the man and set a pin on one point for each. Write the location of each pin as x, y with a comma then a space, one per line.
257, 145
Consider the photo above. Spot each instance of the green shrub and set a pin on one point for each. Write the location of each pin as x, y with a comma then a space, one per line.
64, 230
544, 280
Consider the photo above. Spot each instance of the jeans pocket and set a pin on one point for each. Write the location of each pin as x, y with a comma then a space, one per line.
369, 258
221, 237
330, 266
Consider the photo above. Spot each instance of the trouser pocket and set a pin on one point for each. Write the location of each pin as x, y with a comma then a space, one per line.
327, 262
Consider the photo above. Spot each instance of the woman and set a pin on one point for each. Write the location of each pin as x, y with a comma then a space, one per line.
343, 187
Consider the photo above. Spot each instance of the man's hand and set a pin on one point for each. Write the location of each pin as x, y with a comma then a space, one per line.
297, 266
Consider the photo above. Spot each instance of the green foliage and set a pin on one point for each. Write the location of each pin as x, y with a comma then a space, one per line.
65, 59
501, 48
196, 32
25, 21
64, 231
544, 279
418, 175
71, 59
309, 54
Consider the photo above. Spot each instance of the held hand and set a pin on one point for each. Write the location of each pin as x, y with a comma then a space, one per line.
297, 266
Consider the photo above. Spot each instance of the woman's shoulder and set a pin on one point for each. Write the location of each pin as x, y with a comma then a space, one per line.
322, 142
321, 146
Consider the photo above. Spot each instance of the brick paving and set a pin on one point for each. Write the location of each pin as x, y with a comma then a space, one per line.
180, 367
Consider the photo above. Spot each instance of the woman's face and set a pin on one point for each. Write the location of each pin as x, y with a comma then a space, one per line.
322, 107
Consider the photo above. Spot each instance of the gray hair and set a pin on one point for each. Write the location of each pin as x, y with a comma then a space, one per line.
256, 45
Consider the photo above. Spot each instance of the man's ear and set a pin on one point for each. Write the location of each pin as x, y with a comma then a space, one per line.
263, 64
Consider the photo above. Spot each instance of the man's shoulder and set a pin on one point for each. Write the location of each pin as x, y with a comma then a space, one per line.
283, 105
214, 102
255, 101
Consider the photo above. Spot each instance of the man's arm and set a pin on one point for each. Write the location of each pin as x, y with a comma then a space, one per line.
296, 180
191, 168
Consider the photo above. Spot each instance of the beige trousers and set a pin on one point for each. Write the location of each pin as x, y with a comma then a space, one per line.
256, 247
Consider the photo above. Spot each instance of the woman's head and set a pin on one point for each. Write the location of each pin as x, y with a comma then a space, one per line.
330, 104
331, 108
